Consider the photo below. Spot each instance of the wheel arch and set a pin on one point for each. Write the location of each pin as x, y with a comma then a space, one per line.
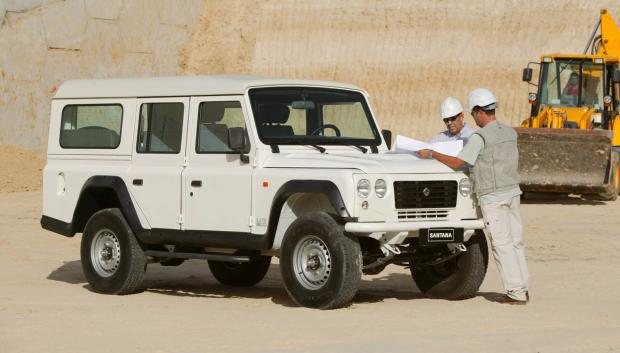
100, 192
298, 197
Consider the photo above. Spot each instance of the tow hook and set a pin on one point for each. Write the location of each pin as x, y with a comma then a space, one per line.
461, 247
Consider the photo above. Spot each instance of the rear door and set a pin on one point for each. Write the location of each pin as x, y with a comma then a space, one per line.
217, 184
158, 159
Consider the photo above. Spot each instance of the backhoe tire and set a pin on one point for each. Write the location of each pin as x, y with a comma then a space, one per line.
614, 179
321, 265
244, 274
457, 278
112, 259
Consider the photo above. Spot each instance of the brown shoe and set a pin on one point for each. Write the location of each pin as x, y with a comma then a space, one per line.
511, 301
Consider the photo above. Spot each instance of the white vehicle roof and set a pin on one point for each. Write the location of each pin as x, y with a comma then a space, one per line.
175, 86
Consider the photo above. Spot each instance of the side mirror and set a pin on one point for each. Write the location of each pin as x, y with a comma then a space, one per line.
617, 76
387, 136
236, 142
527, 74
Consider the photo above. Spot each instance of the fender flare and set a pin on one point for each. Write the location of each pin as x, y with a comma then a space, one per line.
326, 187
114, 183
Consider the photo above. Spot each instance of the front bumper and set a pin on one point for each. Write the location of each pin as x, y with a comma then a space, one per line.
377, 227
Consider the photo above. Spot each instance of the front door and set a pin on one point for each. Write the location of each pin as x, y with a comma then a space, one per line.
217, 184
158, 160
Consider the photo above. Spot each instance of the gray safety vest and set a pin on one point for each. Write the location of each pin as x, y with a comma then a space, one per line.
496, 166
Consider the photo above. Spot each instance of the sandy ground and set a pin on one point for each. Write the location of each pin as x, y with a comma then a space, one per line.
21, 169
46, 304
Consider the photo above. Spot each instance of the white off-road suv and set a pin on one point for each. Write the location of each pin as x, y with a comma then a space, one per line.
236, 170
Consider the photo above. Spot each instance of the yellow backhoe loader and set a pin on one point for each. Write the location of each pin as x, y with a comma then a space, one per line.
571, 141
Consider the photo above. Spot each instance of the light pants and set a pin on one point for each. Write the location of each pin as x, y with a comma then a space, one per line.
503, 223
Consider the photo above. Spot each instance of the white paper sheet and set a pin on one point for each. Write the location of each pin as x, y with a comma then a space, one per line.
405, 144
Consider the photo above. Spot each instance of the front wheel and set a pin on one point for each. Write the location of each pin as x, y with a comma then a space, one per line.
614, 179
112, 260
321, 266
456, 278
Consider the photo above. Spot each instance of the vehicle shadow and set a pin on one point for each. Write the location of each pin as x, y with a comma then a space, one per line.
549, 198
70, 272
193, 279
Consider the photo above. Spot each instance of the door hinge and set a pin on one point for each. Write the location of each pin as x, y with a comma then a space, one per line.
185, 162
251, 221
180, 219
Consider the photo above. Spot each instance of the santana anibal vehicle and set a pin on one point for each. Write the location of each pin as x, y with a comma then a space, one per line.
236, 170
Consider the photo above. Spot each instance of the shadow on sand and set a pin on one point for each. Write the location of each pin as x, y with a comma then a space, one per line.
550, 198
193, 279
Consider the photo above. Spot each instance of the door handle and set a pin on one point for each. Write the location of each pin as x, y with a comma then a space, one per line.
137, 182
196, 183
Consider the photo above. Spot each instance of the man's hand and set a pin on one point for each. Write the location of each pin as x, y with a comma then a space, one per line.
426, 154
452, 162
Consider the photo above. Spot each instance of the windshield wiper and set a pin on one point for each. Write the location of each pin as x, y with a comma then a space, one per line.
318, 148
361, 148
345, 143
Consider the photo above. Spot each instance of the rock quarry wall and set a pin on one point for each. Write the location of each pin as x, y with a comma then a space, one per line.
407, 54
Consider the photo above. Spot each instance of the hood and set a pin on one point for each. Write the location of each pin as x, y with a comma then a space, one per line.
386, 163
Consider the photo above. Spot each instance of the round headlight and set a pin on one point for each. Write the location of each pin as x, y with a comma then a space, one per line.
465, 187
363, 188
380, 188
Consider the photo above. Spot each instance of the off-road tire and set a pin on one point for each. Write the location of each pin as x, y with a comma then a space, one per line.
465, 277
614, 179
244, 274
129, 272
340, 272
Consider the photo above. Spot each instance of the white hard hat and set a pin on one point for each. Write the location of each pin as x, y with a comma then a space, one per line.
483, 98
450, 107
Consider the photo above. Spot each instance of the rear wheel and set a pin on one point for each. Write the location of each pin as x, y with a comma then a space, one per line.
244, 274
112, 260
456, 278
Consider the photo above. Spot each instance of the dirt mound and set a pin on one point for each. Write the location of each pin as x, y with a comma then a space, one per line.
21, 169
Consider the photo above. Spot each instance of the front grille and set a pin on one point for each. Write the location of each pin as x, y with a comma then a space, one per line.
422, 215
410, 194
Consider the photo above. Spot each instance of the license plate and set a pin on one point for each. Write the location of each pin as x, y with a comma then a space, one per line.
441, 235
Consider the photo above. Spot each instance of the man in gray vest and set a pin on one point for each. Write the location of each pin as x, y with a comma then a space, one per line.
492, 151
451, 113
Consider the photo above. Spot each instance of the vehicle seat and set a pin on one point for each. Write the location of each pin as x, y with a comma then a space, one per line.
271, 118
210, 115
90, 136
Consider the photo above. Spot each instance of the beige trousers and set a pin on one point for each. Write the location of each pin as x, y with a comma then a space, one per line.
504, 226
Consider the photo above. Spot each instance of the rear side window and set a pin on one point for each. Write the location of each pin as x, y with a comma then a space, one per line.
161, 128
91, 126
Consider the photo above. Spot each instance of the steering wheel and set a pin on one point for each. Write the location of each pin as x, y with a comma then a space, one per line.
326, 126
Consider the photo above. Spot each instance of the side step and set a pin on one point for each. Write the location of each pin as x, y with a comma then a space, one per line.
200, 256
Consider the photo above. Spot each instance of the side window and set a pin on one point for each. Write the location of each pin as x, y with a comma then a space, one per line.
91, 126
214, 120
160, 128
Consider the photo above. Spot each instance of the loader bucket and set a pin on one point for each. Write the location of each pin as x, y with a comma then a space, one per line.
564, 160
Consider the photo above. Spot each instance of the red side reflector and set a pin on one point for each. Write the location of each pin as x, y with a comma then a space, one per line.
265, 184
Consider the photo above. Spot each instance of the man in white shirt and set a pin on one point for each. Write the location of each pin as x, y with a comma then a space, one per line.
452, 116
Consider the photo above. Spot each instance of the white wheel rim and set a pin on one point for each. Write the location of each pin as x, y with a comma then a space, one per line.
105, 253
312, 262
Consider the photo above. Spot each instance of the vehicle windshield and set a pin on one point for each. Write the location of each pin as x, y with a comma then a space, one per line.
572, 83
315, 116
